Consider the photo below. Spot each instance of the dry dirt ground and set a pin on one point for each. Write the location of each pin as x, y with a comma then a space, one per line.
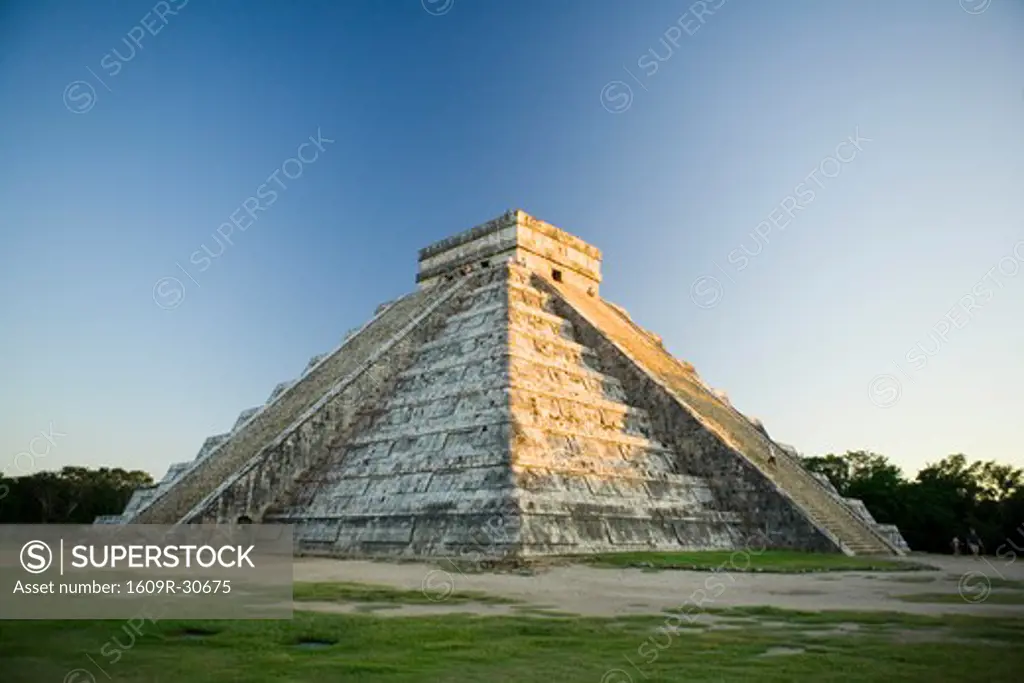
595, 591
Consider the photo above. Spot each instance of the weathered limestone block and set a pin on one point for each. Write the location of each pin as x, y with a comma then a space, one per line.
313, 361
140, 498
491, 535
279, 389
894, 535
244, 416
211, 444
173, 472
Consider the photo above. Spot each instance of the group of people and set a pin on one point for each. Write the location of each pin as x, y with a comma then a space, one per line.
974, 544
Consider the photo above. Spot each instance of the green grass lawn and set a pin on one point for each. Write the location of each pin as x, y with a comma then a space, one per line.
948, 598
997, 582
359, 592
781, 561
964, 625
466, 649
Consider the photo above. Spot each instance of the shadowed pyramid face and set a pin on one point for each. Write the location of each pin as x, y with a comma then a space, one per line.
540, 246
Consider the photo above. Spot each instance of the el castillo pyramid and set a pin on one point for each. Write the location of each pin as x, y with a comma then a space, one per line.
505, 388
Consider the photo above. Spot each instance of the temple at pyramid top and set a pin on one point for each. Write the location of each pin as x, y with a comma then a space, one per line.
516, 235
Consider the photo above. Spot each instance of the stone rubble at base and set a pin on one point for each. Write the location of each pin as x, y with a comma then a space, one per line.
504, 409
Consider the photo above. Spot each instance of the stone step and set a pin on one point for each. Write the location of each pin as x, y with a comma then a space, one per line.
510, 333
611, 471
526, 337
531, 351
437, 414
538, 313
466, 342
492, 367
525, 391
583, 416
468, 349
444, 501
426, 365
566, 503
563, 379
460, 398
355, 464
528, 294
463, 425
539, 435
487, 294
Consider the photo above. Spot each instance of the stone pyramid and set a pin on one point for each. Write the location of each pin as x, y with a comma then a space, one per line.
505, 406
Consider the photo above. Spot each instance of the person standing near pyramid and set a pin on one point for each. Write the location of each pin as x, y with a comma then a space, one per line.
974, 543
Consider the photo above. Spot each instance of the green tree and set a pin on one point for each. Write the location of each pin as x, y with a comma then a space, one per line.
835, 467
74, 495
878, 483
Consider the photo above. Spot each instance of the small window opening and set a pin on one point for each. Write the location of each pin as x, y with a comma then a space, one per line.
556, 274
485, 264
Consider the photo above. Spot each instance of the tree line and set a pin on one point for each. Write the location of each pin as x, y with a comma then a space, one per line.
945, 499
74, 495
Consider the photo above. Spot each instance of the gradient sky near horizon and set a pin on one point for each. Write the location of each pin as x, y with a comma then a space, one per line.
444, 114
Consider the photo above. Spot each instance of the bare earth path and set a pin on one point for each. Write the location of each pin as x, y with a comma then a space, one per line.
594, 591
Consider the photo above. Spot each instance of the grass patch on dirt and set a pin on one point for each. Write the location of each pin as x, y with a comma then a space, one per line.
778, 561
965, 625
544, 611
466, 649
360, 592
954, 598
997, 582
826, 617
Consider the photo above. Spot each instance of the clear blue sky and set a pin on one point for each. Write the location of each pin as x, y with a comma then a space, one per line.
442, 121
